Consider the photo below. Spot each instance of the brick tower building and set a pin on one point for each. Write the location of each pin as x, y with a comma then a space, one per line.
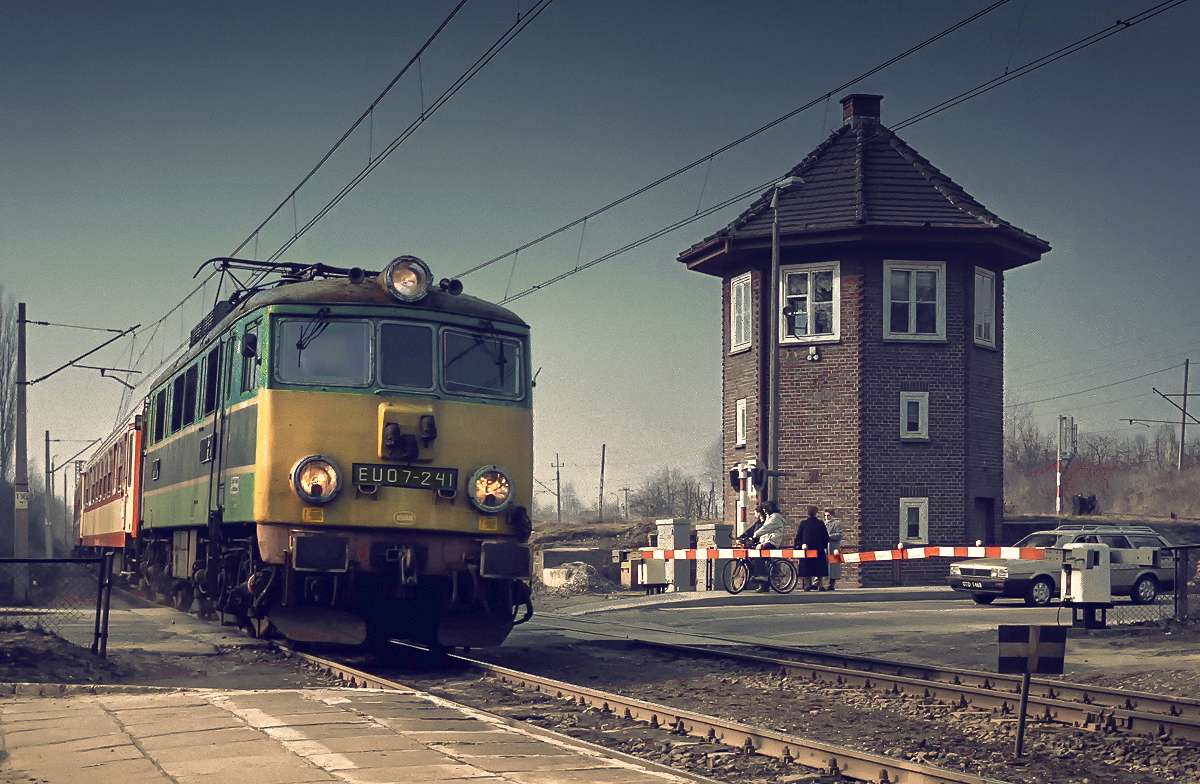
891, 342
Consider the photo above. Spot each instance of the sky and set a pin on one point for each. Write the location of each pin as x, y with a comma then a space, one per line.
138, 139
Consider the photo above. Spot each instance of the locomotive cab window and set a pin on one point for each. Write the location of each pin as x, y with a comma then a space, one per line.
249, 379
406, 356
477, 364
322, 352
212, 373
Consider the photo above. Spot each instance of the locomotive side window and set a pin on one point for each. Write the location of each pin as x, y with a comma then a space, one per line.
323, 352
406, 356
479, 364
190, 381
160, 415
250, 364
177, 404
212, 372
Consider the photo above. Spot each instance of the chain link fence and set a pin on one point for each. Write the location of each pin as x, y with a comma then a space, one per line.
67, 597
1181, 603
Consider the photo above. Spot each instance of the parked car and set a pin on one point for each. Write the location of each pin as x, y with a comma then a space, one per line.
1037, 581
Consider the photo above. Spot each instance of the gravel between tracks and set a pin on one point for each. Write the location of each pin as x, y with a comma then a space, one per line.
895, 725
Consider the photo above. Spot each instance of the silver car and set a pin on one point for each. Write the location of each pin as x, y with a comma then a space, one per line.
1037, 581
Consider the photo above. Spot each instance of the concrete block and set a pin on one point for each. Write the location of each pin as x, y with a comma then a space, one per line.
710, 535
677, 534
551, 557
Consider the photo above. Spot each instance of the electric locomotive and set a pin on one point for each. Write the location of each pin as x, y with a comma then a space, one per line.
342, 456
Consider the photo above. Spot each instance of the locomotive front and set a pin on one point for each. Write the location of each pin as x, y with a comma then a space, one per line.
393, 461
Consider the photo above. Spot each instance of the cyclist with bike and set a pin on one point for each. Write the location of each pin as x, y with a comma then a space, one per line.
768, 531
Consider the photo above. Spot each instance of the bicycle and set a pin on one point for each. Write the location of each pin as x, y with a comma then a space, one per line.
781, 573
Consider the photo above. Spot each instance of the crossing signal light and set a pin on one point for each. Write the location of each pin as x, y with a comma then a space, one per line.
758, 477
733, 479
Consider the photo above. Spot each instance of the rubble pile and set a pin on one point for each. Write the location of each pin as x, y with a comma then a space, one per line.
581, 578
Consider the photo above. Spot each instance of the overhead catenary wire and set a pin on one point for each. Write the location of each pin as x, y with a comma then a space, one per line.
975, 92
741, 139
1095, 388
1038, 63
369, 112
505, 38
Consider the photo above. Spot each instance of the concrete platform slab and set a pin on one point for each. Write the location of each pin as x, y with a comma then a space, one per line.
288, 737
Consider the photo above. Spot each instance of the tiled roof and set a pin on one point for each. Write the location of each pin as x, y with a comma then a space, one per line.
866, 175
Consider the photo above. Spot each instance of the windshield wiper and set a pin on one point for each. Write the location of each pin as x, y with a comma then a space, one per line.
310, 332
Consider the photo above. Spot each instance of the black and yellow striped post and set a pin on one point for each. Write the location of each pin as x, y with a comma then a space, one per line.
1025, 650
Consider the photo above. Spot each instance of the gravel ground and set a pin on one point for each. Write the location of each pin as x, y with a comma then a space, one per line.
898, 726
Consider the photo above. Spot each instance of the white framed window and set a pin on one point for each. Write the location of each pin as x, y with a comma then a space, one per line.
985, 307
810, 303
914, 300
914, 416
740, 422
914, 520
740, 312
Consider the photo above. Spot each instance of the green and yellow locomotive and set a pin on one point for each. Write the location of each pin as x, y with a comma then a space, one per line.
345, 456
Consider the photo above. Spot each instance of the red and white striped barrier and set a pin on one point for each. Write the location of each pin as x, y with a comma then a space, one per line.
906, 554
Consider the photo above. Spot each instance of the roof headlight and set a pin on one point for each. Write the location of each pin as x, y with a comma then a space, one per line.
316, 479
490, 489
407, 278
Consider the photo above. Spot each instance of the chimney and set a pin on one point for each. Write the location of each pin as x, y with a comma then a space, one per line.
861, 108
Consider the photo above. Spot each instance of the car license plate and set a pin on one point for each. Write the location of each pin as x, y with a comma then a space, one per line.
418, 477
972, 584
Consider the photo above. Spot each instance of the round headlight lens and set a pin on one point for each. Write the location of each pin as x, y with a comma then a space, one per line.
491, 490
316, 479
407, 278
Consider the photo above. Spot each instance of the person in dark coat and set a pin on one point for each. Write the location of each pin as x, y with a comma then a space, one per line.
813, 535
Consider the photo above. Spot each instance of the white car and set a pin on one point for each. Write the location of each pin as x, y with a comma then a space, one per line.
1037, 581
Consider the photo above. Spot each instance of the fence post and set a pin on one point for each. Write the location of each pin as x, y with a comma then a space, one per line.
100, 568
1183, 568
109, 557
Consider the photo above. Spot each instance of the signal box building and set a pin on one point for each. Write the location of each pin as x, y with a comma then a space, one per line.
891, 343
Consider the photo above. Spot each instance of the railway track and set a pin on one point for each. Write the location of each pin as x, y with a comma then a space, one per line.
1087, 707
849, 764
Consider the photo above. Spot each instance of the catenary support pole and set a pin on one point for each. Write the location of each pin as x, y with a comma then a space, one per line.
772, 302
558, 485
21, 471
600, 506
47, 519
1184, 418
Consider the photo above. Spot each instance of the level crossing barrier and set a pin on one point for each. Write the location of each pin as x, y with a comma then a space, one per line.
866, 556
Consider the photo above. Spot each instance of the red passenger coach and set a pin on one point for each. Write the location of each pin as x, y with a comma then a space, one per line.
111, 490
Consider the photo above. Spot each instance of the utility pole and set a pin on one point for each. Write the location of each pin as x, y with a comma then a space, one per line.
600, 508
47, 530
1184, 418
21, 472
625, 490
774, 303
557, 466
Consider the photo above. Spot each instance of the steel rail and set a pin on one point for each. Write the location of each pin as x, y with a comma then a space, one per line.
830, 758
1087, 707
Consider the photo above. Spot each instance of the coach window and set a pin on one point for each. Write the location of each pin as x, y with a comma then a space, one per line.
177, 404
250, 365
212, 372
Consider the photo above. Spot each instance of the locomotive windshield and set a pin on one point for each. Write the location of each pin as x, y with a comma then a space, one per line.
480, 364
320, 351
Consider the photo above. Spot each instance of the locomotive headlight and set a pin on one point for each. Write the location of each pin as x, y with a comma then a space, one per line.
490, 489
407, 278
316, 479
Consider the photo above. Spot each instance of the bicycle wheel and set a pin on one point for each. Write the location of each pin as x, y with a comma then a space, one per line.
783, 575
735, 574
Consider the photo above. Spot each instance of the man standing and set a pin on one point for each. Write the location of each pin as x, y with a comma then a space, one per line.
834, 527
812, 535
